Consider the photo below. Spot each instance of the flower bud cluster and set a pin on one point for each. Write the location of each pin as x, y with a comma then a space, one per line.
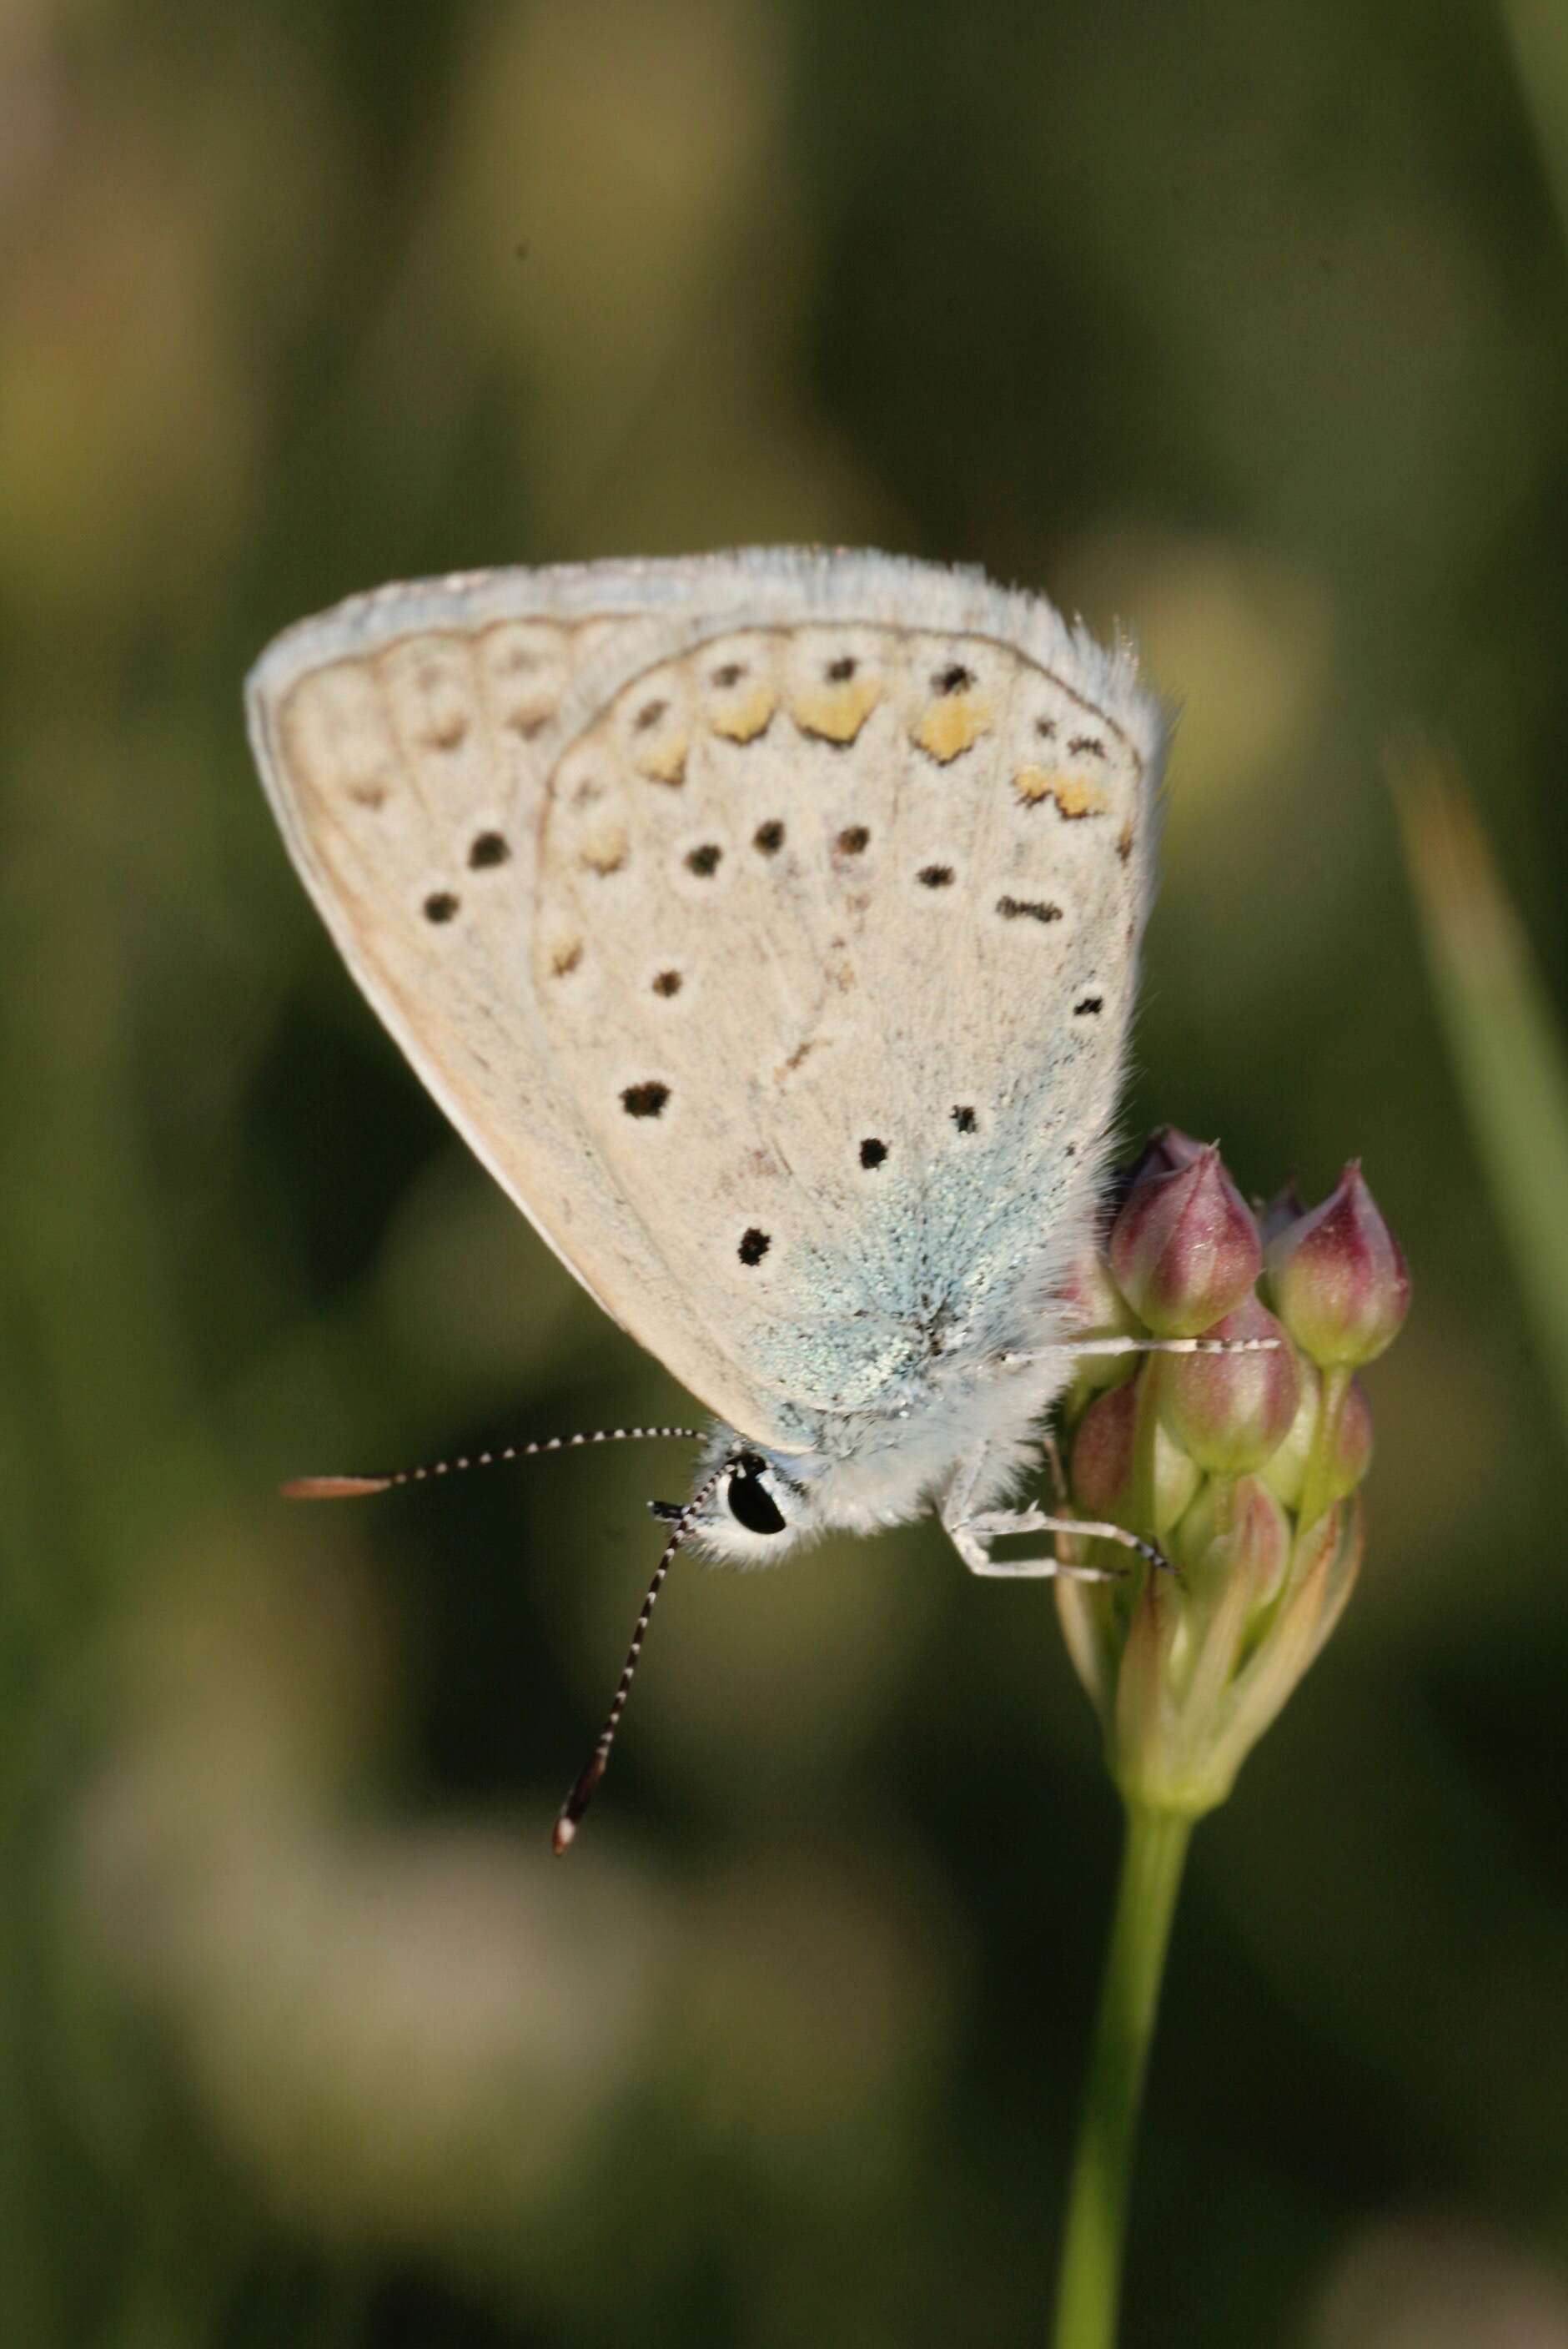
1240, 1460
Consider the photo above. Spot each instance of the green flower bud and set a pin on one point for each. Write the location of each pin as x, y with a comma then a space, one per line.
1285, 1471
1231, 1411
1184, 1249
1238, 1528
1338, 1277
1350, 1448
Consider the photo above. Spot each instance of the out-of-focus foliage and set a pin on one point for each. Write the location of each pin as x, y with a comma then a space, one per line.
1249, 325
1508, 1053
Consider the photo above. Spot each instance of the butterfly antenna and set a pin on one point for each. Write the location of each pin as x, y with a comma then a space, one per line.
582, 1793
348, 1488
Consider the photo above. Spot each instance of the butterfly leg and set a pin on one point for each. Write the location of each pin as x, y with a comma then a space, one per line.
1076, 1348
972, 1531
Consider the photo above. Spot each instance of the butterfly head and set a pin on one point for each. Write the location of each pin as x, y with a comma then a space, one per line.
752, 1512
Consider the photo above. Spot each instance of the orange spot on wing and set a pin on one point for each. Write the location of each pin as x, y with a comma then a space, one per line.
1077, 796
742, 716
665, 761
1034, 784
952, 724
836, 713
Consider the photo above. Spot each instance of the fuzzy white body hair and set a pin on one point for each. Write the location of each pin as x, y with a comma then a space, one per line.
868, 1492
879, 1468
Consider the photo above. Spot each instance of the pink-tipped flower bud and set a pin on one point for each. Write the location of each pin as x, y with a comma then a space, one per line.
1233, 1411
1184, 1248
1104, 1461
1095, 1308
1104, 1443
1338, 1277
1286, 1206
1172, 1148
1166, 1150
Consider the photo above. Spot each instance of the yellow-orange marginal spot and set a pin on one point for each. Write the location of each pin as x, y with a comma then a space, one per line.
604, 848
664, 761
1077, 796
1034, 784
834, 713
952, 724
565, 957
743, 715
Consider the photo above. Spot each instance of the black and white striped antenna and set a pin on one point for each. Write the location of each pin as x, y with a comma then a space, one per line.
571, 1814
351, 1488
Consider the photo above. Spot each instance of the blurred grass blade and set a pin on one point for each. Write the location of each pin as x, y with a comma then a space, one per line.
1538, 31
1506, 1045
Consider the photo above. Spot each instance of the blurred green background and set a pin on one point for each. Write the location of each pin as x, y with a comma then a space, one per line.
1245, 325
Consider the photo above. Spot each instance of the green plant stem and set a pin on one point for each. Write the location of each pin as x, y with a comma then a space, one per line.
1089, 2285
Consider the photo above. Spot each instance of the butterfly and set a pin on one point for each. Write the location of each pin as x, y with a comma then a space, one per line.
768, 924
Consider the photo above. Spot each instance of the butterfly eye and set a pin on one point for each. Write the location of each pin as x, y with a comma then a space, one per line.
751, 1504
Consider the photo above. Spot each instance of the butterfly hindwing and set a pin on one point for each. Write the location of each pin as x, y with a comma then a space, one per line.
835, 932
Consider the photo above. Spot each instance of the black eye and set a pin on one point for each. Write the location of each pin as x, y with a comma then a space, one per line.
751, 1504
